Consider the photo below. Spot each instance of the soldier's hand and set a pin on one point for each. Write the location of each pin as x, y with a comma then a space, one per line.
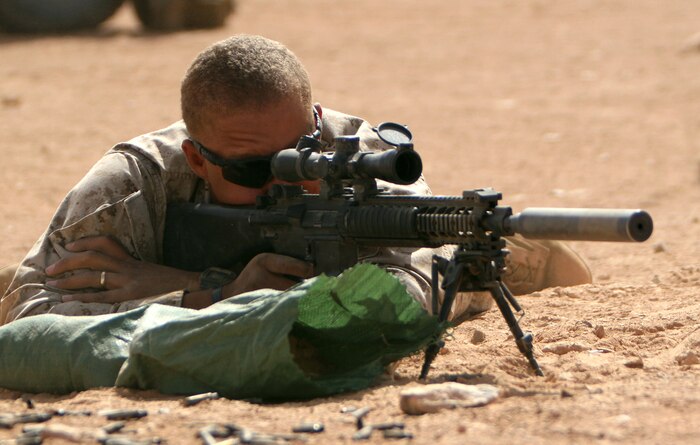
104, 268
269, 271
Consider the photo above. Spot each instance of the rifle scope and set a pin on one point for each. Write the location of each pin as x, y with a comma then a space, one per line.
401, 165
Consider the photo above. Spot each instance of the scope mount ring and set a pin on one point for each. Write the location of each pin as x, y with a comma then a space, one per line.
393, 133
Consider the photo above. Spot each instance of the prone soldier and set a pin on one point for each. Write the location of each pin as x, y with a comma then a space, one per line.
243, 100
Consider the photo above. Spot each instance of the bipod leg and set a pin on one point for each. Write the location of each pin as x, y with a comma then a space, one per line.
430, 353
502, 296
452, 278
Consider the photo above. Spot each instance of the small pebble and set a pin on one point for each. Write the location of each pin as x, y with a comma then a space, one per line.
635, 362
599, 331
435, 397
600, 351
29, 402
566, 394
10, 101
477, 337
689, 358
564, 348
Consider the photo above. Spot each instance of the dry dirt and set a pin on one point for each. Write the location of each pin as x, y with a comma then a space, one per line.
581, 103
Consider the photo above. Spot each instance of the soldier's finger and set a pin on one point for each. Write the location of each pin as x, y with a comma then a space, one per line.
285, 265
90, 279
81, 281
90, 259
103, 244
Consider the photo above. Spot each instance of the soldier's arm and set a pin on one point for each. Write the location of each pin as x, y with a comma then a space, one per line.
115, 199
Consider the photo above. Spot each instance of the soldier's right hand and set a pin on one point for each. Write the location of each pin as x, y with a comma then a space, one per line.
269, 271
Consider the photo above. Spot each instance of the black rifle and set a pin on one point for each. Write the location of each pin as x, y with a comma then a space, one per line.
351, 212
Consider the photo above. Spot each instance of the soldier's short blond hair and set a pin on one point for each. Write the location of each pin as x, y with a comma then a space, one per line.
241, 72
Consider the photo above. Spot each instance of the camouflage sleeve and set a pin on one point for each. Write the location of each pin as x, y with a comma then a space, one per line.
119, 197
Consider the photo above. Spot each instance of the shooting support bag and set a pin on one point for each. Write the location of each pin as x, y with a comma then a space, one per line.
324, 336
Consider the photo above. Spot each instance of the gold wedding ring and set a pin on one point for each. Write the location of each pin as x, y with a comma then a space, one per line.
103, 278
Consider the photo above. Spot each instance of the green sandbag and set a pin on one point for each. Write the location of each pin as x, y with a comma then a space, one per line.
59, 354
325, 336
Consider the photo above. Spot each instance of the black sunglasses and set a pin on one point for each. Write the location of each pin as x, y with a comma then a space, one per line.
251, 172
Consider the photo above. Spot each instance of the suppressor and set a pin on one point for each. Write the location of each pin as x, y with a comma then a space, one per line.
582, 224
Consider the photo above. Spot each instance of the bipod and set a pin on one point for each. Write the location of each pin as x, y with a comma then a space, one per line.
476, 267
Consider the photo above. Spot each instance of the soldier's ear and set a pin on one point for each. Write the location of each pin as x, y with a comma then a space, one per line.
195, 160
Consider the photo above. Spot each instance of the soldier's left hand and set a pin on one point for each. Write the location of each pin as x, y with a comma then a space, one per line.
104, 268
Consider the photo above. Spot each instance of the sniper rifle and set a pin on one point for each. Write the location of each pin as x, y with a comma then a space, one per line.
351, 212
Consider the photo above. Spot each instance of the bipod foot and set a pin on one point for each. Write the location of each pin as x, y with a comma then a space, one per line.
504, 299
431, 352
525, 346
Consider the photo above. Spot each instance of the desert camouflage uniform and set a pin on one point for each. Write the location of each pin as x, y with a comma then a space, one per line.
125, 196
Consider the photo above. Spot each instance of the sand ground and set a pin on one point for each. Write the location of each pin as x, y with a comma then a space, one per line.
584, 103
